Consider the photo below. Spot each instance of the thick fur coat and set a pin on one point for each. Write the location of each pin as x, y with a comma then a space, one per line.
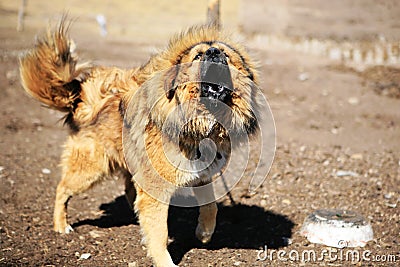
127, 121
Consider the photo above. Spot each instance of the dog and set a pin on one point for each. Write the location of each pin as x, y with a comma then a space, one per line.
148, 123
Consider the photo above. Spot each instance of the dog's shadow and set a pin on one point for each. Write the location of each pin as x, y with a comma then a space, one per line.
238, 226
117, 213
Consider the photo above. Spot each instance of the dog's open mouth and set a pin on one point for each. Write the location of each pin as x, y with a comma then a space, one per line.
215, 93
216, 81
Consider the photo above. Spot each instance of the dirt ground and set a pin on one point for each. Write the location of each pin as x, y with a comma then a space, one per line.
328, 117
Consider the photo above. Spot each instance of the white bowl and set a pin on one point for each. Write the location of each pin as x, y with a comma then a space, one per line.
337, 228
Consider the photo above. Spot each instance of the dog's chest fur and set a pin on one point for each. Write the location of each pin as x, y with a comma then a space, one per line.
193, 172
195, 164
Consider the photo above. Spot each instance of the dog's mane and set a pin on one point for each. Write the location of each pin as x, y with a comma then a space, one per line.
183, 42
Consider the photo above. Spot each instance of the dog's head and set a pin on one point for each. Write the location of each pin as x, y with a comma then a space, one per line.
202, 86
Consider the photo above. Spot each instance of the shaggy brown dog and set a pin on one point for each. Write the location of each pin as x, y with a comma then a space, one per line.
202, 86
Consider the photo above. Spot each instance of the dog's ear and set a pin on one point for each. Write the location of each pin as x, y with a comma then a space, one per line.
170, 81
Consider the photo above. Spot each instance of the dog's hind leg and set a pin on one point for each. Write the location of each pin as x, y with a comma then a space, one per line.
208, 212
84, 163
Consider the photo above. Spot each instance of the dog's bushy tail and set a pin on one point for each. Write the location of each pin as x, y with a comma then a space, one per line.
50, 71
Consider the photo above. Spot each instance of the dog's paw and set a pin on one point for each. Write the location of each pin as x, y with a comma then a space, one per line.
68, 229
203, 236
64, 230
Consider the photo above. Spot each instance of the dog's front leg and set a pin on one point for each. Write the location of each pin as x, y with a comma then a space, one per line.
153, 216
208, 213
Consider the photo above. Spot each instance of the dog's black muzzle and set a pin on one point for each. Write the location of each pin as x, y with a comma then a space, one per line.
216, 81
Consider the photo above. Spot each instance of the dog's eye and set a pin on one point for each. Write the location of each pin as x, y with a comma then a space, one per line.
226, 55
198, 56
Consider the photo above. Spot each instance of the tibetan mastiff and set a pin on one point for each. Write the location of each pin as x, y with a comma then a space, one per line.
148, 124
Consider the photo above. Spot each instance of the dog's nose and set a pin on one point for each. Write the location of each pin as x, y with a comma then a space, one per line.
215, 55
213, 51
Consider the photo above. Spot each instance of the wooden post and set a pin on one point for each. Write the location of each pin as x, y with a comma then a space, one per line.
21, 15
213, 13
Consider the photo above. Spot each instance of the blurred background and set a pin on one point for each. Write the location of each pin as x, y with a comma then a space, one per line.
356, 31
337, 19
